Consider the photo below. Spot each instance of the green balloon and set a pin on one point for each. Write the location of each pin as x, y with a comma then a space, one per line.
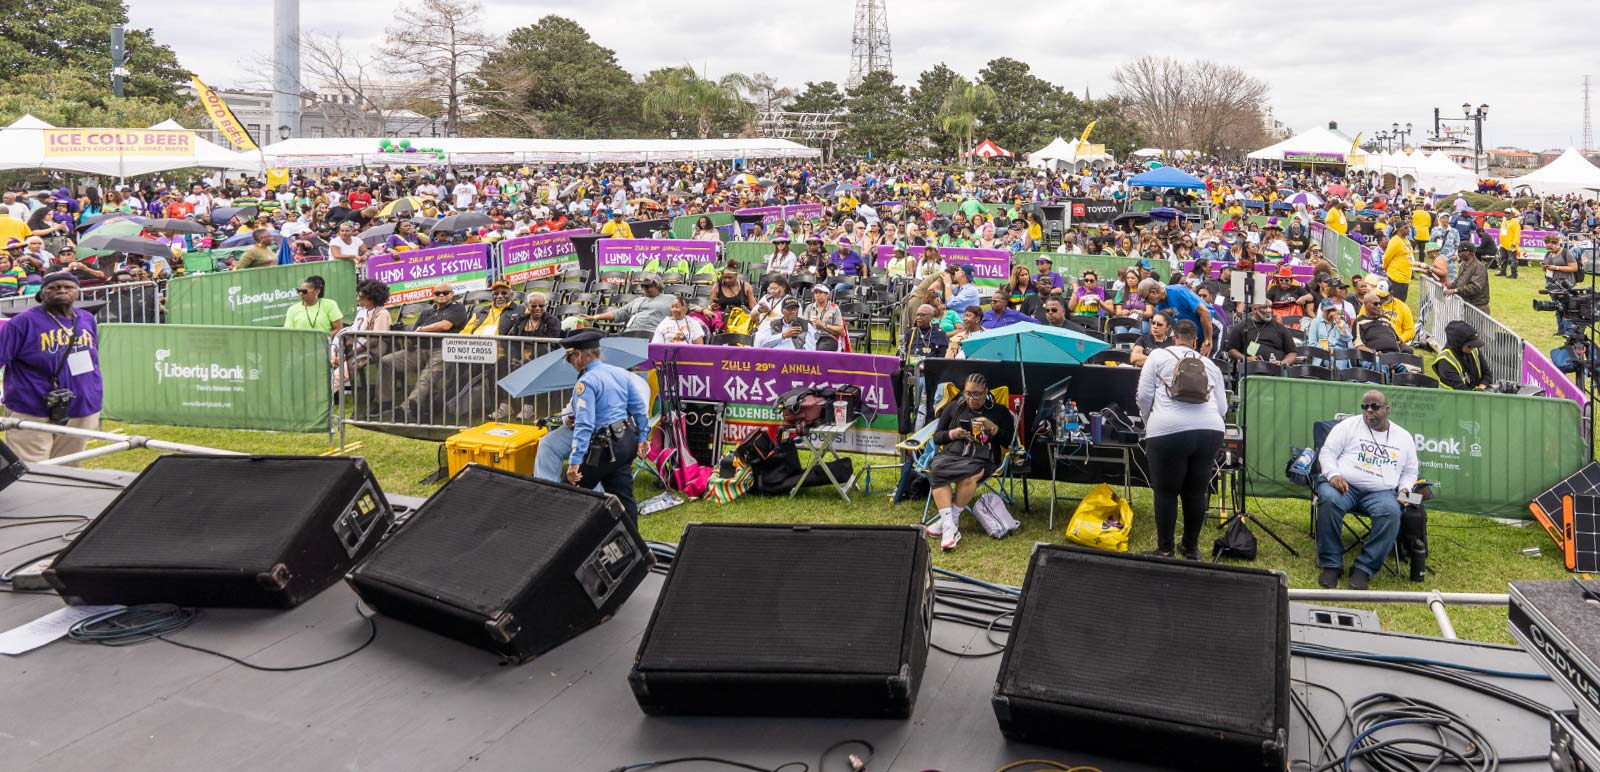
384, 143
405, 143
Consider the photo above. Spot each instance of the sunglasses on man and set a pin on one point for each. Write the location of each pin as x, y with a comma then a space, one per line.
1373, 406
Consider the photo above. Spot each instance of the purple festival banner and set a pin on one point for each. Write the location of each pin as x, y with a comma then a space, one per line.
992, 266
634, 254
770, 215
1531, 241
1538, 370
525, 258
758, 375
411, 276
1302, 273
812, 212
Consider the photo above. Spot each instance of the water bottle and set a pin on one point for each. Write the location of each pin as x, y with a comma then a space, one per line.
1074, 419
1301, 468
1060, 421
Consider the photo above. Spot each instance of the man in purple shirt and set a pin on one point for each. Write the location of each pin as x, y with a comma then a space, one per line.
47, 351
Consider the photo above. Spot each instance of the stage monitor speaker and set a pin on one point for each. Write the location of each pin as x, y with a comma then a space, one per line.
11, 468
241, 531
507, 563
1173, 662
789, 620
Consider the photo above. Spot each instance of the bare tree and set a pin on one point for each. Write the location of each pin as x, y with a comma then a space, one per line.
1202, 105
441, 44
1225, 107
355, 95
1156, 89
767, 94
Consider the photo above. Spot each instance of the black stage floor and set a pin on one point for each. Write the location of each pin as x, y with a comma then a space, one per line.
415, 701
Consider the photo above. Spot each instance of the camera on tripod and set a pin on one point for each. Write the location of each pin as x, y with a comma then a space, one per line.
1570, 303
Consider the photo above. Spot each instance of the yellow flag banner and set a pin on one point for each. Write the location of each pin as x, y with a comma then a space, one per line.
1085, 136
1355, 145
222, 116
276, 177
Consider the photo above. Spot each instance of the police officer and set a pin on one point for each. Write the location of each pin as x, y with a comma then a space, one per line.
608, 414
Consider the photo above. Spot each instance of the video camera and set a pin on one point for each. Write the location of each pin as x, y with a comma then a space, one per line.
1571, 303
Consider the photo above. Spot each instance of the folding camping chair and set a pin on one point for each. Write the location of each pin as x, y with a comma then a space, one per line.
1359, 524
921, 448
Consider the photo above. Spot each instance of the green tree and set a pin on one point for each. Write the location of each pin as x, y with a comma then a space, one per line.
821, 97
927, 100
685, 95
1117, 129
62, 99
1028, 111
877, 122
551, 79
959, 113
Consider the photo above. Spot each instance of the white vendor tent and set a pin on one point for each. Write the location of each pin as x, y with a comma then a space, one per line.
304, 152
1438, 171
113, 152
1318, 140
1569, 173
1062, 153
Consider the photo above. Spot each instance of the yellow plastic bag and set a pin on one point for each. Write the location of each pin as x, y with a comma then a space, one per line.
738, 321
1103, 520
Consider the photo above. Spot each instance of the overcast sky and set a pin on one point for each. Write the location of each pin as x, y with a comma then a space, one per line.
1363, 63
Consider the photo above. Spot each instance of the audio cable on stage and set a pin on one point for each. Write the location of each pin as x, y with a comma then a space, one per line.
153, 622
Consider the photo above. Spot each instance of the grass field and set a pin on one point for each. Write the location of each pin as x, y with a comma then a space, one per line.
1470, 554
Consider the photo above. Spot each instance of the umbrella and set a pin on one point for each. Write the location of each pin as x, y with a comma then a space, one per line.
741, 178
1153, 164
1030, 342
226, 213
766, 183
402, 206
846, 187
551, 372
374, 235
1133, 217
132, 245
1164, 213
1304, 197
106, 219
463, 221
245, 239
828, 189
175, 226
1337, 189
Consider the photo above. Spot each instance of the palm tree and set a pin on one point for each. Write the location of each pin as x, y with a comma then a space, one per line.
959, 113
686, 93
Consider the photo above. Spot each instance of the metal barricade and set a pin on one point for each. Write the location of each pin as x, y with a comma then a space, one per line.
1503, 348
431, 385
127, 303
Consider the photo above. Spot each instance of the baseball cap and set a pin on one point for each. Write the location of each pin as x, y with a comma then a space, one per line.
649, 278
499, 285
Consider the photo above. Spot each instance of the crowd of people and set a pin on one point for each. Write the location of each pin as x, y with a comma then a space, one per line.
1174, 297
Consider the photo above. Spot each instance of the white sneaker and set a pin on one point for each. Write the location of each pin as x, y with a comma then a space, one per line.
500, 413
936, 527
526, 414
950, 532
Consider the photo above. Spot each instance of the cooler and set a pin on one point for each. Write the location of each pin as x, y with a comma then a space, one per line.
510, 447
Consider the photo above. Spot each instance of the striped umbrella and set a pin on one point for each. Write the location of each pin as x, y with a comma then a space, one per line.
1305, 198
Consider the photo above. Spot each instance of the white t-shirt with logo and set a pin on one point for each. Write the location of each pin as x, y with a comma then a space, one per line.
1369, 459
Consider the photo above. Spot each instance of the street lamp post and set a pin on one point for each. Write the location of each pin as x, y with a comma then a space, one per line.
283, 131
1474, 117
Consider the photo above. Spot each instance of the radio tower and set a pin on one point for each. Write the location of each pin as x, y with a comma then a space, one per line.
1588, 126
869, 41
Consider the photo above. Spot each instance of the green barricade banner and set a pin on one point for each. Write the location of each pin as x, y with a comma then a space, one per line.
683, 227
218, 377
256, 297
1073, 266
1491, 453
747, 252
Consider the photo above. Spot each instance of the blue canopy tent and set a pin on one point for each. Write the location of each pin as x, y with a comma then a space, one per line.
1167, 177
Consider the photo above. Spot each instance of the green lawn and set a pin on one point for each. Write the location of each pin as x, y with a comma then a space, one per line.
1470, 554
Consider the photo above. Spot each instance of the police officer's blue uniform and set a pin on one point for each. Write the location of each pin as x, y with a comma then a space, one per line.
608, 411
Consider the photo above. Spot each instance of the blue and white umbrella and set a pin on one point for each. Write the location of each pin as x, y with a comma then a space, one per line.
551, 372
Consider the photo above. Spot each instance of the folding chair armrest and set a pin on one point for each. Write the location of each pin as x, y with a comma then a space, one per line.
918, 439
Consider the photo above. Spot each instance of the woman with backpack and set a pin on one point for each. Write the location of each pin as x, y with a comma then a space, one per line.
1183, 401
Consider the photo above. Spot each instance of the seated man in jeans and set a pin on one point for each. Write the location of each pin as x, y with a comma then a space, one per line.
1365, 461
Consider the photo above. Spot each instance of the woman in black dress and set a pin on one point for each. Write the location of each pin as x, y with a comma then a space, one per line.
972, 437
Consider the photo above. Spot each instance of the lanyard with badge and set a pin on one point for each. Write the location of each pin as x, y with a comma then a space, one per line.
59, 400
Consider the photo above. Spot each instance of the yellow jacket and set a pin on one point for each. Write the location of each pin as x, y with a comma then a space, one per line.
1421, 223
1336, 221
1400, 316
1397, 260
1511, 234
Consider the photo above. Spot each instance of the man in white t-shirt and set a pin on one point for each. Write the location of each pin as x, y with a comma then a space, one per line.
1366, 460
464, 193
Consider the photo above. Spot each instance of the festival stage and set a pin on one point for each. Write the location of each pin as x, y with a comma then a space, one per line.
416, 701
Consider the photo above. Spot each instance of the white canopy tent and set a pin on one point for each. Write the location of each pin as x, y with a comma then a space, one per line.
1569, 173
1062, 153
1439, 172
307, 152
1318, 140
22, 146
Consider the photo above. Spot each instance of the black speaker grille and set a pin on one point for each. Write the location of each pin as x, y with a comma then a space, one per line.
755, 600
471, 524
210, 513
1150, 639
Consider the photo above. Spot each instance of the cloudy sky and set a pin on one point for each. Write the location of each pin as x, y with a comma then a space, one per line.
1363, 63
